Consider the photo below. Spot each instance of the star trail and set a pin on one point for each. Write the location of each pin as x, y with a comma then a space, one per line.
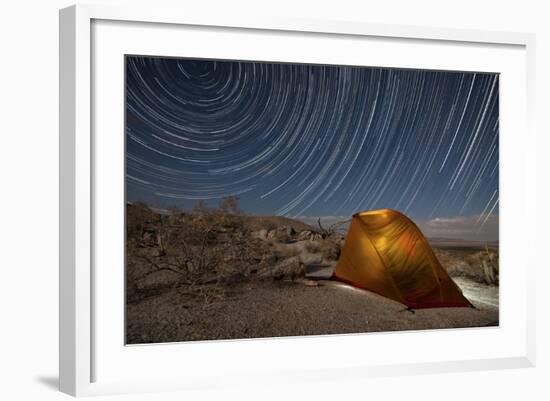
312, 140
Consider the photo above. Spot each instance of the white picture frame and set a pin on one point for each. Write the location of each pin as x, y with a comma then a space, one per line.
79, 316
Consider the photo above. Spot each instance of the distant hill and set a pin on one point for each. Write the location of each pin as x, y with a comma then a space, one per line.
456, 242
253, 223
256, 223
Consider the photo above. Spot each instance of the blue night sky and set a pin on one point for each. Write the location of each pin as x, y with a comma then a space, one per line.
314, 140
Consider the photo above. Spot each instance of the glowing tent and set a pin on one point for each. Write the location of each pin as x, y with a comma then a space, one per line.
385, 252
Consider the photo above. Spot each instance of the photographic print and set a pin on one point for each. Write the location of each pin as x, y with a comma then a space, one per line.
269, 199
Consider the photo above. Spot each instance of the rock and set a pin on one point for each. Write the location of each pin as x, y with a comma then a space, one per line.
309, 258
289, 231
330, 250
283, 235
308, 235
261, 234
280, 234
290, 268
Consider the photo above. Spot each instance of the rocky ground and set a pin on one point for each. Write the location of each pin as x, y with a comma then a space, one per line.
217, 275
286, 308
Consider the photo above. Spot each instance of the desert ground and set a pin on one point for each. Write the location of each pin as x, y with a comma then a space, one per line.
212, 274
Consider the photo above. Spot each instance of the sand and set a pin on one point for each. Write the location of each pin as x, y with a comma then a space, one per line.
290, 308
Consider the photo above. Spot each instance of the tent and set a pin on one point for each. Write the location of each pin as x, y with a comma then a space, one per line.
385, 252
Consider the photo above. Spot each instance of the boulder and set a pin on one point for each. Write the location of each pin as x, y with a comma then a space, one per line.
280, 235
304, 235
261, 234
290, 268
330, 250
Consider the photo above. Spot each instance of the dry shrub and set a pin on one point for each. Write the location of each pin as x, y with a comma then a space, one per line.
207, 250
487, 263
480, 266
201, 251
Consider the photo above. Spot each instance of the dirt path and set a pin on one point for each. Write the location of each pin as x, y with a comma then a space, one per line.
477, 293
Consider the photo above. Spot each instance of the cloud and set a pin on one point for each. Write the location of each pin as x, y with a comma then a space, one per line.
477, 227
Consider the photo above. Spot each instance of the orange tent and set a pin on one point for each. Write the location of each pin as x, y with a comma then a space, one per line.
385, 252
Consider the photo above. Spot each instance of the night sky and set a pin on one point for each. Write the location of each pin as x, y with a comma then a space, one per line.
314, 140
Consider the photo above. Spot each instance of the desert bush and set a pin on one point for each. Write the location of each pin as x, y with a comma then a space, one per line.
489, 262
230, 205
204, 294
331, 231
200, 208
485, 263
480, 266
138, 218
207, 247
